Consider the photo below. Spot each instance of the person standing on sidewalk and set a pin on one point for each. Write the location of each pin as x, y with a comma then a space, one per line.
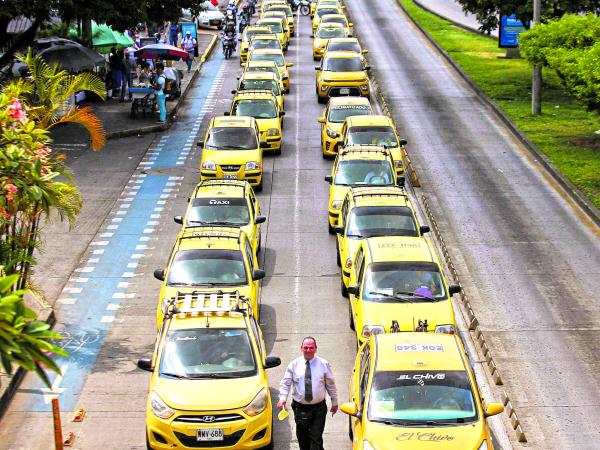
312, 379
189, 45
159, 91
173, 34
126, 76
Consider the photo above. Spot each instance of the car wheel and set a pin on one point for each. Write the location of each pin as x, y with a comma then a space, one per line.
350, 433
277, 151
258, 247
259, 186
269, 446
315, 58
344, 290
148, 447
337, 254
330, 228
321, 99
350, 316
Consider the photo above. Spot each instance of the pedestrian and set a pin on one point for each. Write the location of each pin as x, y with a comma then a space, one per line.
173, 34
159, 91
189, 44
115, 62
126, 76
311, 378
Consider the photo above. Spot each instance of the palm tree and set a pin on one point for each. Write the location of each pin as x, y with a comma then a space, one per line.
24, 341
48, 89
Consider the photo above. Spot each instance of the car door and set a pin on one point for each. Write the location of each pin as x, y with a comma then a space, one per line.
341, 237
361, 394
356, 277
252, 264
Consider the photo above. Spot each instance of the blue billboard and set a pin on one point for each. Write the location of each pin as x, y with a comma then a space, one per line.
510, 29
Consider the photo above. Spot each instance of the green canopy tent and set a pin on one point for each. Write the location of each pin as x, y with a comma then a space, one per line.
104, 38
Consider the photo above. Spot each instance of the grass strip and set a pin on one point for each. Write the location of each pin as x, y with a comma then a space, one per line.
565, 131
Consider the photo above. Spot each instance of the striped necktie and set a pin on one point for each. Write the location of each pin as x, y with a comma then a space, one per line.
308, 395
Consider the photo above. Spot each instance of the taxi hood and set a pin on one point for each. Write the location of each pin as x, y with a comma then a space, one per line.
235, 157
463, 437
208, 394
407, 314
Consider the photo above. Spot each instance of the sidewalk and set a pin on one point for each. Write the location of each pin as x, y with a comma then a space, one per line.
452, 11
116, 116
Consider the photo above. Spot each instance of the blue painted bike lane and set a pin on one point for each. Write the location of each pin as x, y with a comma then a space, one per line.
89, 303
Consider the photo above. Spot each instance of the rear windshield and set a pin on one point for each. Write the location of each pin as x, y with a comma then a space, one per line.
343, 47
341, 20
372, 135
259, 109
337, 114
275, 27
278, 59
328, 33
267, 85
322, 12
265, 43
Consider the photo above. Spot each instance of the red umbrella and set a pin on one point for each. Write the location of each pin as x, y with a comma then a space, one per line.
161, 51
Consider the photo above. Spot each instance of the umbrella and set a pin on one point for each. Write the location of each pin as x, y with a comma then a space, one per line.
161, 51
72, 56
104, 38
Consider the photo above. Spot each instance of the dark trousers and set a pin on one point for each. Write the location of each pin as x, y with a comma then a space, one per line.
310, 423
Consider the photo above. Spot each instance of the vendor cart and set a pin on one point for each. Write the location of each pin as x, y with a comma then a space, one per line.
143, 101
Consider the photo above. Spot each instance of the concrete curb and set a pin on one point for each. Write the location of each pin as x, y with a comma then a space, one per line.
570, 189
46, 315
173, 112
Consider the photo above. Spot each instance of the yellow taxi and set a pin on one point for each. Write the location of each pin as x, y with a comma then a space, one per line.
416, 391
288, 14
224, 202
279, 27
372, 211
321, 10
338, 108
347, 44
359, 165
264, 107
337, 18
271, 13
264, 66
247, 36
316, 3
209, 386
232, 150
323, 34
277, 57
264, 41
375, 130
396, 284
211, 258
264, 6
341, 73
262, 81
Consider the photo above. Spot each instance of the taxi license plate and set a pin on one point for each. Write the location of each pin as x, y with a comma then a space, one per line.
344, 91
210, 434
232, 176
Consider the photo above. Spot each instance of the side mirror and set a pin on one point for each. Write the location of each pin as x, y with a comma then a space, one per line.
258, 274
289, 64
424, 229
200, 144
353, 290
233, 91
146, 364
364, 52
272, 361
226, 113
264, 144
454, 289
262, 219
349, 25
321, 120
403, 142
178, 219
349, 408
159, 274
367, 68
281, 113
329, 178
491, 409
237, 78
338, 230
401, 181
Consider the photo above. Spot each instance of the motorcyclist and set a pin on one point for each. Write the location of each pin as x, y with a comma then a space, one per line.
231, 7
230, 17
229, 33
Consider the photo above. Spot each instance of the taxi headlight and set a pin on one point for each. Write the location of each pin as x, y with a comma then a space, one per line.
160, 408
258, 404
252, 165
364, 87
332, 134
348, 264
483, 445
336, 204
209, 165
367, 445
272, 132
371, 330
324, 87
446, 328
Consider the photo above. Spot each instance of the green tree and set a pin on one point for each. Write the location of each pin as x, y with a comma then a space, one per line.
24, 341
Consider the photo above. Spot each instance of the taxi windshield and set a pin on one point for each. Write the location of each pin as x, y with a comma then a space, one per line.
327, 33
321, 12
248, 35
278, 59
337, 114
275, 27
422, 396
343, 64
364, 172
207, 353
369, 221
382, 135
207, 268
344, 47
269, 69
261, 85
218, 211
265, 43
232, 138
259, 109
415, 282
341, 20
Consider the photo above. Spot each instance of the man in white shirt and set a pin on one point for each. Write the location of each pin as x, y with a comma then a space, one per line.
312, 379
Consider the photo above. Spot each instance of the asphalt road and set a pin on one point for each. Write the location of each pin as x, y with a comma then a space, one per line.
529, 259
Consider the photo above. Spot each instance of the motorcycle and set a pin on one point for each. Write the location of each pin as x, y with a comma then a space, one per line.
302, 5
251, 7
243, 24
228, 46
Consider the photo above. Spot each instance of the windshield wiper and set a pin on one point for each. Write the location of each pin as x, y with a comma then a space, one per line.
412, 295
386, 295
360, 236
214, 375
180, 284
236, 147
173, 375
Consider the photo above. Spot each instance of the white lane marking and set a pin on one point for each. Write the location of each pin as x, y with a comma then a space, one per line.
98, 252
55, 390
107, 319
123, 284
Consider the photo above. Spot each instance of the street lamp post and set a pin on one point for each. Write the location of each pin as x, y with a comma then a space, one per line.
536, 79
